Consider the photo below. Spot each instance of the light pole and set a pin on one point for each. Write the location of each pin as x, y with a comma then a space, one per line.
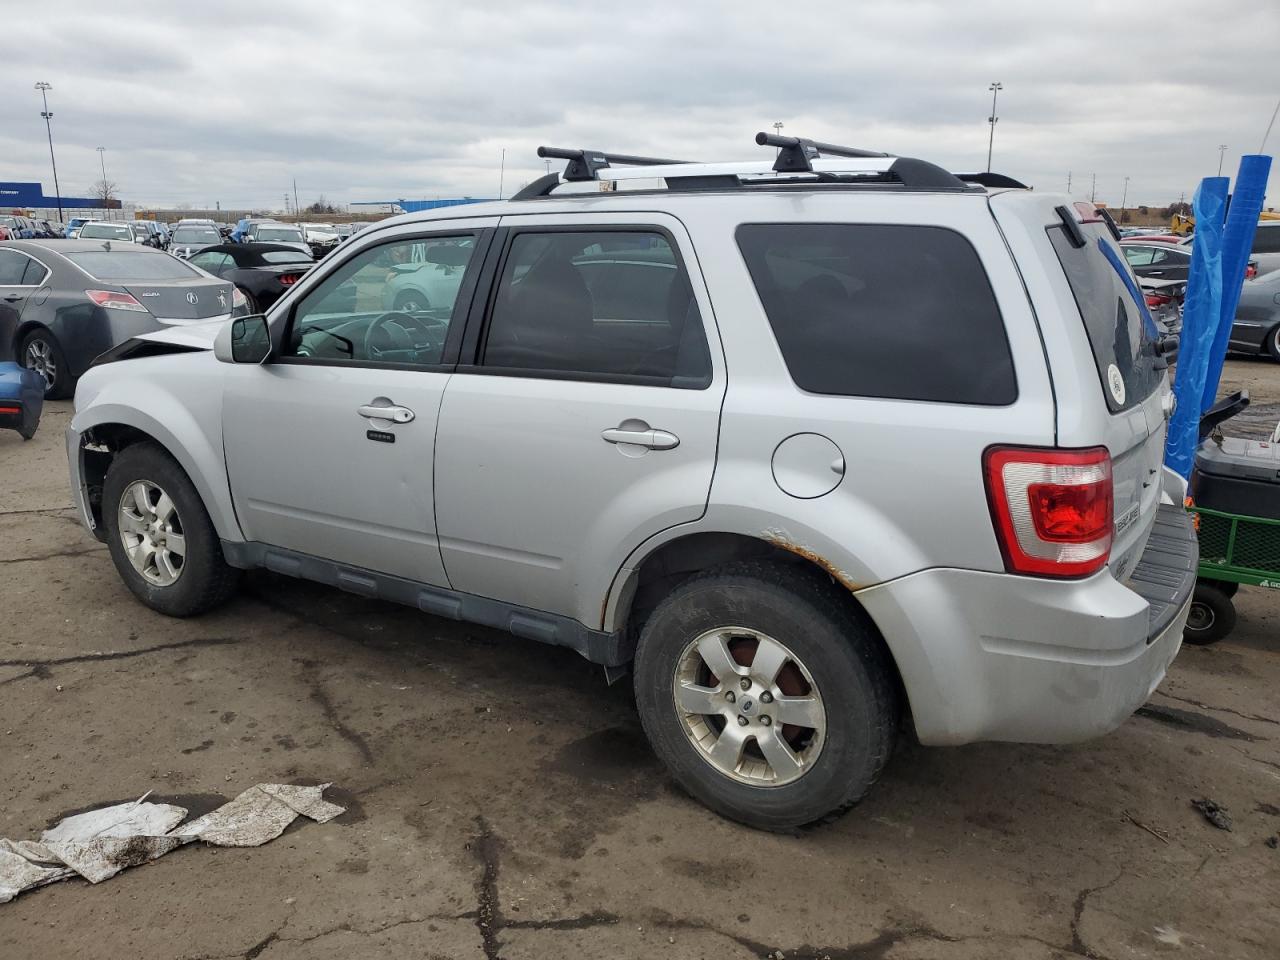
777, 129
102, 152
1222, 152
995, 89
44, 89
1124, 197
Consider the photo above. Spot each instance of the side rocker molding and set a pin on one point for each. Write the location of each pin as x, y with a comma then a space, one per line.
608, 649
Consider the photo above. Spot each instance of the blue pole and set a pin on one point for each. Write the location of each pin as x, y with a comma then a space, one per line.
1237, 241
1201, 314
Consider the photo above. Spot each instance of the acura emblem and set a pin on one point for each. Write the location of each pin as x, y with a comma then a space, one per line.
192, 298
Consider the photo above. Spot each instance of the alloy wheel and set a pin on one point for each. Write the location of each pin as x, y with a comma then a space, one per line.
151, 532
39, 357
749, 706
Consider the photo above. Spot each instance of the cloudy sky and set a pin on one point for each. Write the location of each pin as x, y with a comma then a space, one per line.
230, 101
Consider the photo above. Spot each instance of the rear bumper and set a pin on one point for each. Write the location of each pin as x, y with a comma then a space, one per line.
989, 656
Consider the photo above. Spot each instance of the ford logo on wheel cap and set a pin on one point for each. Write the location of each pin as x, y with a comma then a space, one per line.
192, 298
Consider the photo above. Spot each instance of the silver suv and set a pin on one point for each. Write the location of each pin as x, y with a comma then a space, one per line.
818, 446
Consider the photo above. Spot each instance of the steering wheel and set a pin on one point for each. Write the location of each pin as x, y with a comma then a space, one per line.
393, 330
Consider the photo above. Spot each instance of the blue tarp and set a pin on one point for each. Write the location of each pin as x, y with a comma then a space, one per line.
1201, 314
1237, 241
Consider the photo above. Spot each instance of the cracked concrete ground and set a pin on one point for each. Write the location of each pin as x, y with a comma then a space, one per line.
502, 802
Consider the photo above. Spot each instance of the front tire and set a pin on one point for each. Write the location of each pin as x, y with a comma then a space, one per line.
41, 352
160, 536
1273, 343
250, 301
766, 696
1212, 616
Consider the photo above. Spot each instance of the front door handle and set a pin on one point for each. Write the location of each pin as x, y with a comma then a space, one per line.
644, 437
12, 297
384, 409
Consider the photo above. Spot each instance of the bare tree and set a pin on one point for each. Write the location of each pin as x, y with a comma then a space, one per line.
104, 191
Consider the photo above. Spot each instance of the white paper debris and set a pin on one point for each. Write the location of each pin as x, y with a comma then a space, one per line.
260, 814
100, 843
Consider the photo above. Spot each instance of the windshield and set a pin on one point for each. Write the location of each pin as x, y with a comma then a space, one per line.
118, 266
105, 231
8, 221
287, 234
195, 235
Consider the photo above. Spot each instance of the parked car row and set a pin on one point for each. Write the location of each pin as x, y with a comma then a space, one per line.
14, 227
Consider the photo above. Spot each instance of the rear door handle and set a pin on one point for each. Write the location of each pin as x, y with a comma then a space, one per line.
386, 411
653, 439
12, 297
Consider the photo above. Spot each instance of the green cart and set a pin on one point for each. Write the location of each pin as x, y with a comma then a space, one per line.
1235, 491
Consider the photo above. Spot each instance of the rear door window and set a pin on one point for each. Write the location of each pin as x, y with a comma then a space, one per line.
1121, 332
611, 305
881, 310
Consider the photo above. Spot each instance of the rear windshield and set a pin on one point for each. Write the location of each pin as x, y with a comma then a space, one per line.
278, 233
196, 235
120, 266
1121, 332
880, 310
286, 256
104, 231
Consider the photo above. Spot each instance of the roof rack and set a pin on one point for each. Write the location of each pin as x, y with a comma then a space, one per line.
799, 161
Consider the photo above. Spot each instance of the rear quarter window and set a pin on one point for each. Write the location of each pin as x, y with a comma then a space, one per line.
880, 310
1117, 326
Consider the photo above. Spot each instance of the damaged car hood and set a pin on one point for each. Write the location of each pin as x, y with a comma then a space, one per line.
198, 336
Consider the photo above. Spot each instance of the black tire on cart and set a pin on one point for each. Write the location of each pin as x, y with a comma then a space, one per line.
1212, 615
1229, 587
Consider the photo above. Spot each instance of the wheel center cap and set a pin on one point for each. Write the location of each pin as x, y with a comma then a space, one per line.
747, 706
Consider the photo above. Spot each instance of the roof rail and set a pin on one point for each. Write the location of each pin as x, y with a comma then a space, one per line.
798, 161
992, 180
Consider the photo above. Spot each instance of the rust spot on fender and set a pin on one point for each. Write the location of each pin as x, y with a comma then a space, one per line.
802, 551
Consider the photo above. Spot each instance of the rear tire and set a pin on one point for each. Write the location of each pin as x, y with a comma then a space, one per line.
1273, 343
160, 536
250, 301
833, 679
1211, 618
40, 351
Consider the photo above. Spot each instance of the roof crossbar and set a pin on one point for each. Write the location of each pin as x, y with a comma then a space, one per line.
794, 153
585, 164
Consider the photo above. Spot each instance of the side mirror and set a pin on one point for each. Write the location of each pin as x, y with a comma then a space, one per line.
243, 340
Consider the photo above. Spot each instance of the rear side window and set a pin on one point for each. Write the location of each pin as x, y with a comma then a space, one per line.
879, 310
118, 266
1121, 334
612, 305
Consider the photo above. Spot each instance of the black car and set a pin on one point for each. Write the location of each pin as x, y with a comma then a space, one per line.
262, 272
64, 302
1257, 323
1160, 261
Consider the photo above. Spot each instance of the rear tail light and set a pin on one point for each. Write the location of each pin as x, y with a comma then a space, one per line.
9, 411
1158, 300
1250, 271
1052, 509
115, 301
289, 279
237, 298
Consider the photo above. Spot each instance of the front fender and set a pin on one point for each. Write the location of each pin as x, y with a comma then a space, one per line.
177, 430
